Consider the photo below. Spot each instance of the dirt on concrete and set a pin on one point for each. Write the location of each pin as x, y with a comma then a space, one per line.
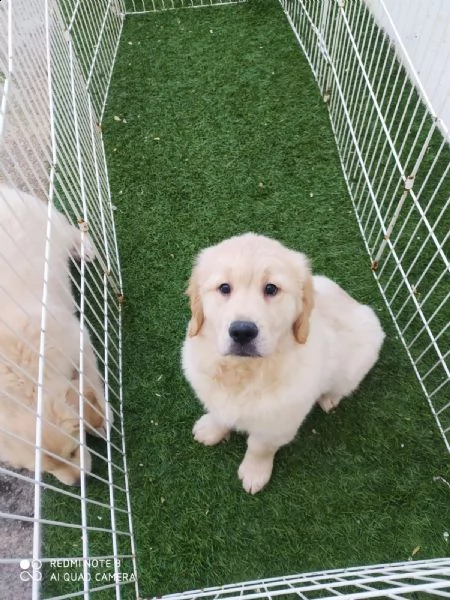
16, 536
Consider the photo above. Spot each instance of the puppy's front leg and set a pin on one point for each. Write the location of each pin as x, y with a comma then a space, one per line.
88, 252
208, 431
256, 468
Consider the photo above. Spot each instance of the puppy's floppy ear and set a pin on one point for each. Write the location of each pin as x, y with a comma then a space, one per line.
301, 324
197, 316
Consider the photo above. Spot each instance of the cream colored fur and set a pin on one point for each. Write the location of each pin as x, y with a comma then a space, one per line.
315, 344
23, 231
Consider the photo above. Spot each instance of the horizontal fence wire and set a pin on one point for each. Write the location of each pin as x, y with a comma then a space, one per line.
146, 6
395, 157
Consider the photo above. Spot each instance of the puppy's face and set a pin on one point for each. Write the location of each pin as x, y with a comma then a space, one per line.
251, 295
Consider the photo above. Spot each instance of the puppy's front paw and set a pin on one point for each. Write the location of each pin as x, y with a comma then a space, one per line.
208, 432
89, 250
89, 254
255, 473
328, 403
102, 431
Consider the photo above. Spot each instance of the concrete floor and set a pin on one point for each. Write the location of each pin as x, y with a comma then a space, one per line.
16, 537
424, 28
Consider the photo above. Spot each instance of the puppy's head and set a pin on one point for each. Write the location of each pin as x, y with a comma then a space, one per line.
251, 295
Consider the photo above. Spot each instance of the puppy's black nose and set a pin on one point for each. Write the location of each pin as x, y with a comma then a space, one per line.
243, 332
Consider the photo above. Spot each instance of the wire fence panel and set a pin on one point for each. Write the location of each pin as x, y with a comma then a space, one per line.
61, 289
144, 6
398, 581
392, 136
60, 324
94, 29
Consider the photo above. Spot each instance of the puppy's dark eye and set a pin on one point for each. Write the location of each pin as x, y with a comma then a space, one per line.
225, 289
270, 289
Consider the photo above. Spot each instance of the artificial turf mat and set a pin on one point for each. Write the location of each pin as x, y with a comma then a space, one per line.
215, 126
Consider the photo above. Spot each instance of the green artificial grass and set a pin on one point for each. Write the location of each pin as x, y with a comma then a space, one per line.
223, 131
214, 127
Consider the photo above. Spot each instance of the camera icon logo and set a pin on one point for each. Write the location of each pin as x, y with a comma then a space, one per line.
30, 570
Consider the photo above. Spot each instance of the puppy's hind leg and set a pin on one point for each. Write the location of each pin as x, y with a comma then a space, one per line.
208, 431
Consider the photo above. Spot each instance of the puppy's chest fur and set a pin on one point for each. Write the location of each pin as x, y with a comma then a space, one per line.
245, 394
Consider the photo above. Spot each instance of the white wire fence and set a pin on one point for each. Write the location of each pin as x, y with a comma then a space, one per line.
145, 6
393, 145
61, 289
60, 323
93, 29
398, 581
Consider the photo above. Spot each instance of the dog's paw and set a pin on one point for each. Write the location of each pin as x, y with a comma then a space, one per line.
328, 403
102, 431
89, 250
206, 431
88, 253
255, 473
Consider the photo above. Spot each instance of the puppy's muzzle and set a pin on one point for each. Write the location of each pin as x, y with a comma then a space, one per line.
243, 334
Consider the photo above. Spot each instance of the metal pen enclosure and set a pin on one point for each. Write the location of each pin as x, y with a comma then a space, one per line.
392, 131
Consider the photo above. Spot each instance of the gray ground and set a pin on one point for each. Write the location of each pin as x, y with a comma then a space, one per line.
425, 33
16, 537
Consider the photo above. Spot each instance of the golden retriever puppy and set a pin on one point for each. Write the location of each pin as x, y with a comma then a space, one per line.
23, 233
265, 342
